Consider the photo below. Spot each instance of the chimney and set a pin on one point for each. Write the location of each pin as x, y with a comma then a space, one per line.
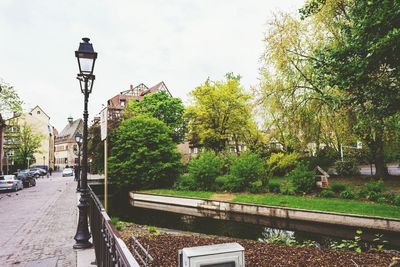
131, 86
70, 119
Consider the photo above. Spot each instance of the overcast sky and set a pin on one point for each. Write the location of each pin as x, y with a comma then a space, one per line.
178, 42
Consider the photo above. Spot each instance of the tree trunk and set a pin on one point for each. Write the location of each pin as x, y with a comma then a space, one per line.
380, 166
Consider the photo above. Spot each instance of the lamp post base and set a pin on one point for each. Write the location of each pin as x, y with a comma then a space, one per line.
82, 235
82, 245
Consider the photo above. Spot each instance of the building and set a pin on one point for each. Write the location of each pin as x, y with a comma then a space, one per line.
66, 149
39, 123
117, 104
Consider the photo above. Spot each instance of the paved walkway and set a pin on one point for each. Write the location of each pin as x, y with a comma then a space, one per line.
38, 224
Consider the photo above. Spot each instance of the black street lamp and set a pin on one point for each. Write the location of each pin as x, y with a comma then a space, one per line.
86, 58
78, 140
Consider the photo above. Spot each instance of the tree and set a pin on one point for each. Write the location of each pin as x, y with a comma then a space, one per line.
143, 155
27, 144
219, 111
161, 106
9, 101
297, 109
364, 66
95, 149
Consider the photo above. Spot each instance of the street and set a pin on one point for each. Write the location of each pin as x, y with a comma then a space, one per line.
38, 224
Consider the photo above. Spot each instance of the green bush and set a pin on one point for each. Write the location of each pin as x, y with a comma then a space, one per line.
280, 164
324, 158
327, 193
377, 187
374, 196
396, 200
347, 168
229, 183
390, 197
256, 187
274, 187
347, 194
143, 155
338, 187
186, 182
204, 169
248, 167
381, 200
303, 179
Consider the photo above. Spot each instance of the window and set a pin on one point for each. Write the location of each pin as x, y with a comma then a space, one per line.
122, 103
38, 112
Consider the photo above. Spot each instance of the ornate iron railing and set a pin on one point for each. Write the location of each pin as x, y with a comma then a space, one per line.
110, 249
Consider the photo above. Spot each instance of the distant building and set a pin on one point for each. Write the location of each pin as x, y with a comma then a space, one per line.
118, 103
65, 144
39, 122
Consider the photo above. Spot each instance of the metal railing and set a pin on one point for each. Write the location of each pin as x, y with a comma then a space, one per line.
110, 249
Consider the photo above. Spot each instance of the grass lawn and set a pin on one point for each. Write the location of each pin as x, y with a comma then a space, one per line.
170, 192
309, 203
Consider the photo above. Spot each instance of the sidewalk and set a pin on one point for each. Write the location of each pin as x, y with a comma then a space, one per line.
38, 225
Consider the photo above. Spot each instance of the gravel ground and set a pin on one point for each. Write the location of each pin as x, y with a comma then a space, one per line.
164, 249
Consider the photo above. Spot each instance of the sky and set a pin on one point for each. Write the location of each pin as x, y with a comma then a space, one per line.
180, 42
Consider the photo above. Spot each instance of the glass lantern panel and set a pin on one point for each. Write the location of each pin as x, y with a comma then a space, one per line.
86, 65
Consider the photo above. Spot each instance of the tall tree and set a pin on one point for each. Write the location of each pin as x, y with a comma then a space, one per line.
9, 101
364, 66
161, 106
143, 154
220, 110
27, 144
299, 110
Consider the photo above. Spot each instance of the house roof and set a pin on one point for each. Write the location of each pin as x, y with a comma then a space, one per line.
69, 131
37, 106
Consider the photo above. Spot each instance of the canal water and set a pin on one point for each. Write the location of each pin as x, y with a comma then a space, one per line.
236, 225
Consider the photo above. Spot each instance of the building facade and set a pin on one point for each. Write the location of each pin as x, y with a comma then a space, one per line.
66, 149
39, 123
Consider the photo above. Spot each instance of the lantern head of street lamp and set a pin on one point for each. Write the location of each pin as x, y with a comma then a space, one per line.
78, 139
86, 57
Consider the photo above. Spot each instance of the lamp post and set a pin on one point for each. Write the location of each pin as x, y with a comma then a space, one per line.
86, 59
78, 140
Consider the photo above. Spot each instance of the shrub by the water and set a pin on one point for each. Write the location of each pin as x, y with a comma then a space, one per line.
256, 187
228, 183
347, 168
204, 169
186, 182
143, 155
338, 187
347, 194
274, 187
327, 193
280, 164
249, 168
303, 179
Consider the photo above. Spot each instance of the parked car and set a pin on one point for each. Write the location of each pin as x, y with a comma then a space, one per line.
27, 178
10, 182
44, 167
38, 171
67, 172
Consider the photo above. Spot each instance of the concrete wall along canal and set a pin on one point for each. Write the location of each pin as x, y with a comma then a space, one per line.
271, 211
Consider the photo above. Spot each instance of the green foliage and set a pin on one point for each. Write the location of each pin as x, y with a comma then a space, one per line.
324, 158
143, 155
347, 194
346, 168
204, 169
338, 187
279, 164
119, 225
28, 143
396, 200
249, 168
373, 190
327, 193
153, 230
186, 182
303, 180
379, 242
229, 183
10, 102
220, 110
354, 244
274, 187
163, 107
256, 187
